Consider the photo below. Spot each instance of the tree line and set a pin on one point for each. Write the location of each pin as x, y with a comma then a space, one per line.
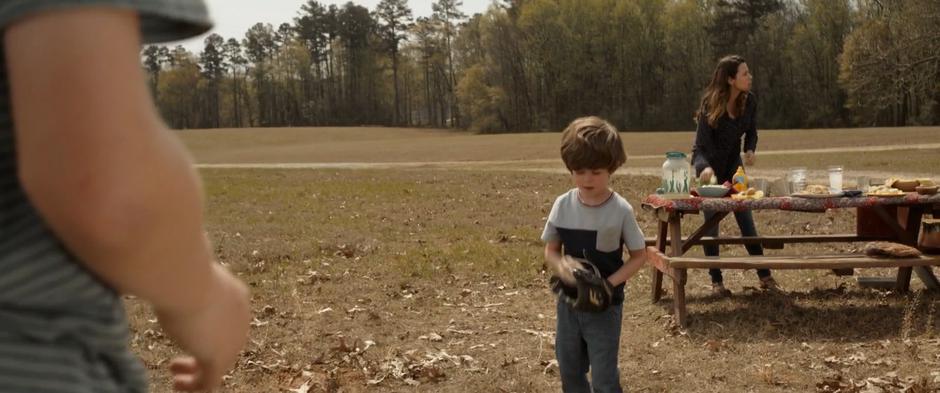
528, 65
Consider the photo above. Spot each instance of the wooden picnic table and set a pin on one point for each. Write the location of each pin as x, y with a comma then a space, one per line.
894, 219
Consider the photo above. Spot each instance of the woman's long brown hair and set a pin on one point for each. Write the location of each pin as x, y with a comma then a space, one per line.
716, 96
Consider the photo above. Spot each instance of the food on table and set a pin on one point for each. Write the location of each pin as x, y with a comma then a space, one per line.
906, 185
816, 189
750, 193
884, 191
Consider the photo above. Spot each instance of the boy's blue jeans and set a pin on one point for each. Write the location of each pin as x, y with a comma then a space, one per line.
746, 222
585, 340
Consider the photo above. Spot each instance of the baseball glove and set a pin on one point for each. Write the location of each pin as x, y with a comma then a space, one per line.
592, 292
891, 250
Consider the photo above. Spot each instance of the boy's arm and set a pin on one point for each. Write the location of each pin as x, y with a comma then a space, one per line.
635, 244
630, 267
112, 182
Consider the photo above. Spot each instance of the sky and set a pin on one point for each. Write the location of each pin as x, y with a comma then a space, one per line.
233, 17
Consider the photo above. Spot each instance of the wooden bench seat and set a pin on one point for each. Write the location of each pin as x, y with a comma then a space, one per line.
777, 242
799, 262
675, 268
836, 261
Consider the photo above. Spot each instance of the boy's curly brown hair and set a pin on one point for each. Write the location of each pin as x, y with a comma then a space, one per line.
592, 143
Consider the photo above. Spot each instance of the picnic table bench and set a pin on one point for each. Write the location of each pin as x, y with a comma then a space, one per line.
894, 219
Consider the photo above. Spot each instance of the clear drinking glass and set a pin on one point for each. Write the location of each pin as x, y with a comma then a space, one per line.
797, 179
835, 179
862, 183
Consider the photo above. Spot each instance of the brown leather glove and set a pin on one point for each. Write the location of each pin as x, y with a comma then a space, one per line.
591, 292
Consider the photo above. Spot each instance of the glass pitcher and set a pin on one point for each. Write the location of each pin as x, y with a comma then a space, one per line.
676, 171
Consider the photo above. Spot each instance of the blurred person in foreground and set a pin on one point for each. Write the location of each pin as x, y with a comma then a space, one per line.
99, 199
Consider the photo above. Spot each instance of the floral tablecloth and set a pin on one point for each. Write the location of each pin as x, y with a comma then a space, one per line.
728, 204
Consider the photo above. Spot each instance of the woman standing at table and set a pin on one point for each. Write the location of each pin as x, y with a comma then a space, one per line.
728, 112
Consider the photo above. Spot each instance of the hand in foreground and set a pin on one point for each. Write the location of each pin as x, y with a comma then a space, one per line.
213, 334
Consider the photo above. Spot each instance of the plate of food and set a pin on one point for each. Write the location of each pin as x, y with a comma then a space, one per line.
816, 191
817, 196
750, 193
884, 191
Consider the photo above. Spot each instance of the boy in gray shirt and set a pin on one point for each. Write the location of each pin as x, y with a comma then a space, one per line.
591, 222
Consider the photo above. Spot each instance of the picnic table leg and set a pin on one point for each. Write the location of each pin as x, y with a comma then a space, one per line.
656, 274
927, 277
679, 275
904, 279
657, 283
904, 225
912, 224
678, 284
675, 235
701, 231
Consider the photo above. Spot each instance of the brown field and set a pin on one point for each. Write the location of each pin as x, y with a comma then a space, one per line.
408, 145
431, 279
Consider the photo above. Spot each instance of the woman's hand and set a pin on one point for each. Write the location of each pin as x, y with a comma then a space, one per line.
706, 175
750, 158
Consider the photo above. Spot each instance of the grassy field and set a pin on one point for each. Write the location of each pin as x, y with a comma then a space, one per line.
430, 279
408, 145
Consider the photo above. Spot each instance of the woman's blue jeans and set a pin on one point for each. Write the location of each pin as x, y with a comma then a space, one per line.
746, 222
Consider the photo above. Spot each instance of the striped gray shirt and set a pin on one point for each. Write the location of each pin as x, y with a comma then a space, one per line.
61, 328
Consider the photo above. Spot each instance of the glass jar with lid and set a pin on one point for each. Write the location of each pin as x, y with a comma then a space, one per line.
676, 171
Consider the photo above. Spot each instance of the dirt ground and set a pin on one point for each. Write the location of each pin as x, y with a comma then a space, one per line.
431, 280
